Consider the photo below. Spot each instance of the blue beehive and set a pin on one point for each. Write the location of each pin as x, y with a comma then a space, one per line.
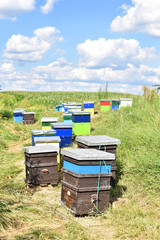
87, 161
42, 133
64, 131
18, 115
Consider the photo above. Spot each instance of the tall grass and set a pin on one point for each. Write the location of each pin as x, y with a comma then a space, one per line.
138, 180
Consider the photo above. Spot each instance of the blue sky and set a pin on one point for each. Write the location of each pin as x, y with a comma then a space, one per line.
79, 45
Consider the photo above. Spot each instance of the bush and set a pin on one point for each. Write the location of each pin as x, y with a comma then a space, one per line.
6, 114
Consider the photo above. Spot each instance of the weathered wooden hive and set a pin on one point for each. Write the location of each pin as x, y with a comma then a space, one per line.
86, 180
64, 131
28, 118
54, 141
81, 122
103, 143
46, 122
41, 165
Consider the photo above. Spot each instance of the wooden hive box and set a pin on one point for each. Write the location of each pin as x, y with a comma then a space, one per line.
81, 171
54, 141
81, 122
42, 133
28, 118
103, 143
64, 131
41, 165
46, 122
105, 105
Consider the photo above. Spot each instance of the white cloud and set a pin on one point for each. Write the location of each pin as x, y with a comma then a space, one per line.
142, 17
63, 76
48, 6
10, 9
23, 48
113, 53
7, 68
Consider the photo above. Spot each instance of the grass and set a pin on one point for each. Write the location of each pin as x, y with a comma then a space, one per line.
37, 214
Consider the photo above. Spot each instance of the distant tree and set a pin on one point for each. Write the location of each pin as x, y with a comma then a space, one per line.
157, 87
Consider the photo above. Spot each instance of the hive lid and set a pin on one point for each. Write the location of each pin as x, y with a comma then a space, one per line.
87, 154
19, 111
49, 119
39, 149
115, 99
67, 114
106, 100
28, 112
97, 140
80, 113
89, 102
126, 99
55, 139
62, 125
43, 132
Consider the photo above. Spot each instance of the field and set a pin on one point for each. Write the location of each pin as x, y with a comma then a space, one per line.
37, 214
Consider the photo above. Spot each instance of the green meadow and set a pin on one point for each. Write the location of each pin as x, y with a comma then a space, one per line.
37, 213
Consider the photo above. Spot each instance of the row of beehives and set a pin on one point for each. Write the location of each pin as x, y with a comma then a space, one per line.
19, 115
89, 171
78, 122
69, 107
115, 104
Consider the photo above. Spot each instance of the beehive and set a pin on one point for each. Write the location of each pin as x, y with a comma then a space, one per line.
41, 165
46, 122
67, 117
82, 192
28, 118
54, 141
89, 107
124, 102
42, 133
81, 122
103, 143
18, 115
105, 105
115, 104
64, 131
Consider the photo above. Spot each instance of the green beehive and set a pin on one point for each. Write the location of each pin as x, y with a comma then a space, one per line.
81, 123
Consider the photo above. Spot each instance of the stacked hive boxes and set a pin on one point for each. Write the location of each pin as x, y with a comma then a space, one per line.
67, 117
124, 102
46, 122
18, 115
115, 104
42, 133
28, 118
81, 122
101, 142
105, 105
64, 131
86, 180
89, 107
41, 165
54, 141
